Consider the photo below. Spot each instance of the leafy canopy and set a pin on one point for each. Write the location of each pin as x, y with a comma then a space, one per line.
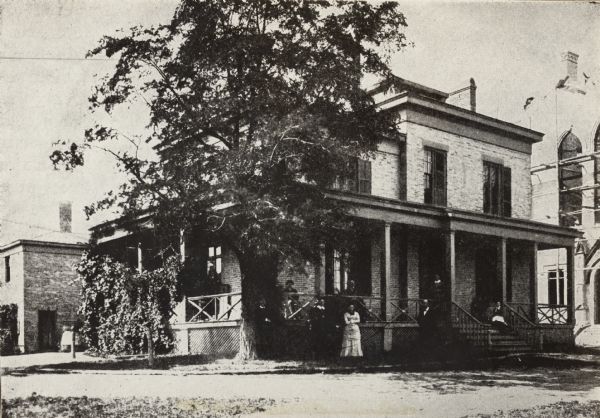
255, 108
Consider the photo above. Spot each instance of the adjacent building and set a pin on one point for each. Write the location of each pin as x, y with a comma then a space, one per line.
566, 181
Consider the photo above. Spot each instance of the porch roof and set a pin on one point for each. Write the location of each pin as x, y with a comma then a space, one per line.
438, 217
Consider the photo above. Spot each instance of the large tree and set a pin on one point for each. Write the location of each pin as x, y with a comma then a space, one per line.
256, 107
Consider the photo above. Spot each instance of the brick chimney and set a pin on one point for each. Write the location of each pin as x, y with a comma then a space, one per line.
473, 95
571, 60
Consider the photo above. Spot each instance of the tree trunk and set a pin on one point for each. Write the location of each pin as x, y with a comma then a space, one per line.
150, 346
259, 281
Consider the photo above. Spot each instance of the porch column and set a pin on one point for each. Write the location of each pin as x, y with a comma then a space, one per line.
140, 262
570, 285
502, 268
534, 284
180, 313
451, 262
387, 238
182, 245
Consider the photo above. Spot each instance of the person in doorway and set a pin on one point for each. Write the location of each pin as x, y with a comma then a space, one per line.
350, 289
351, 340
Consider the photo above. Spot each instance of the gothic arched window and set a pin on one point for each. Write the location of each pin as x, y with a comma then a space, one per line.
569, 178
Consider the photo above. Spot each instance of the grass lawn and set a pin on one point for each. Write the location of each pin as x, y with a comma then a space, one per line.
41, 406
573, 409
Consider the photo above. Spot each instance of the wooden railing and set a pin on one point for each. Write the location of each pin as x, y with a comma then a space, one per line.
545, 313
527, 330
406, 310
469, 326
296, 306
215, 308
553, 314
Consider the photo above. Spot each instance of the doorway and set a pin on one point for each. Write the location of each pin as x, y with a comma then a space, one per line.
47, 330
488, 286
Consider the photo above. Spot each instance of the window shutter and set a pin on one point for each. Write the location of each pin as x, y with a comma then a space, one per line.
440, 178
402, 171
506, 192
352, 179
364, 176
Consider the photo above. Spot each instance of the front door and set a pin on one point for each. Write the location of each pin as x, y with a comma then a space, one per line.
47, 330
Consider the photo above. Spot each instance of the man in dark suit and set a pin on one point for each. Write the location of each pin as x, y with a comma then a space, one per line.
319, 333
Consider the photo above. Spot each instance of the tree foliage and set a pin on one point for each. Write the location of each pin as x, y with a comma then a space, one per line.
256, 107
119, 304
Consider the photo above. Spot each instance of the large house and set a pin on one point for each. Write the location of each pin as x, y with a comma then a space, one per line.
450, 200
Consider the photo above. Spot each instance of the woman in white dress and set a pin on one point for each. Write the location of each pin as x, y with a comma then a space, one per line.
351, 340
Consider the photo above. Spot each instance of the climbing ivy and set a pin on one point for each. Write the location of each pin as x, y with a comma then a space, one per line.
121, 306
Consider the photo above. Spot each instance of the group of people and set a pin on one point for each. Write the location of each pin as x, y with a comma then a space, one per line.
333, 323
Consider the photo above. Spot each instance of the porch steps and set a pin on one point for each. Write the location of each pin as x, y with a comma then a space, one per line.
499, 344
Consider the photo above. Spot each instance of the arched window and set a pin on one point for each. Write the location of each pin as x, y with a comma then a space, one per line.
569, 178
597, 177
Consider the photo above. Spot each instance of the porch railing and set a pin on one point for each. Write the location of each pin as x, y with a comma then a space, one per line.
522, 326
545, 313
553, 314
469, 326
214, 308
296, 306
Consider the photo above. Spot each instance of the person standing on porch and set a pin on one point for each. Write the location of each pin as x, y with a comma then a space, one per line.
318, 329
351, 344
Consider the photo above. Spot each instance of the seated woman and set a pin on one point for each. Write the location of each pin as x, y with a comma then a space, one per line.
496, 318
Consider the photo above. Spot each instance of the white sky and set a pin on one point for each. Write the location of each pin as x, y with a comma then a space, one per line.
513, 50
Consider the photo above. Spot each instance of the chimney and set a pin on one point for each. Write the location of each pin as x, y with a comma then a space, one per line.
65, 216
473, 95
571, 59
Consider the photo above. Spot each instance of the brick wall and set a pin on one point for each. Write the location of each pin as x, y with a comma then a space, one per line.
465, 169
49, 285
231, 270
465, 271
521, 254
384, 171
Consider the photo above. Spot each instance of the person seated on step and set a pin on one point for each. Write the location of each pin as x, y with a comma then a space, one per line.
496, 317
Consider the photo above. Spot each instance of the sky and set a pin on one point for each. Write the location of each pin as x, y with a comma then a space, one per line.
512, 49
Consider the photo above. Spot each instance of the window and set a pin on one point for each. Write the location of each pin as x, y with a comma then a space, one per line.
556, 287
7, 269
342, 266
65, 216
497, 198
434, 176
358, 178
214, 263
570, 181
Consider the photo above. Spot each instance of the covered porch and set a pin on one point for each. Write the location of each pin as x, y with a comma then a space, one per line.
478, 258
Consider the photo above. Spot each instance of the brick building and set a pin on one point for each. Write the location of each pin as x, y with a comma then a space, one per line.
38, 277
451, 199
565, 179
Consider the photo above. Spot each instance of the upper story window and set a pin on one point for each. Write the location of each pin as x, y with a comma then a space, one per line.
497, 189
358, 179
569, 181
434, 176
